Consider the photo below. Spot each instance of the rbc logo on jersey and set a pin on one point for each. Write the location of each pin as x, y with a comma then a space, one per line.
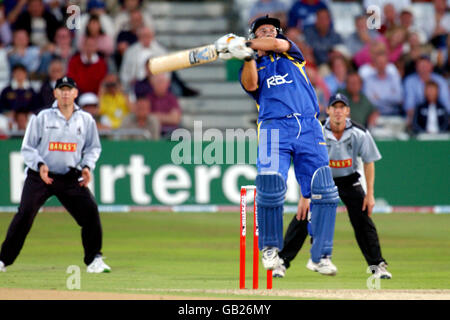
276, 80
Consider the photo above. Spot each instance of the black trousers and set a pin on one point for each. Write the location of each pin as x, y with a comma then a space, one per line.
352, 195
77, 200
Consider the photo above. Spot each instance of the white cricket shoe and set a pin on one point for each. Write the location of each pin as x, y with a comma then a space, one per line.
279, 272
98, 266
312, 265
270, 258
381, 271
2, 267
325, 267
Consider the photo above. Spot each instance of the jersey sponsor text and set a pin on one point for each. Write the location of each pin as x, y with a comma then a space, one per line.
346, 163
276, 80
62, 146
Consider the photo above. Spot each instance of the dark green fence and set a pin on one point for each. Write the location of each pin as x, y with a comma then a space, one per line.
411, 173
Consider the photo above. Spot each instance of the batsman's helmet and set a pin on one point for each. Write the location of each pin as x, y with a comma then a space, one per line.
264, 20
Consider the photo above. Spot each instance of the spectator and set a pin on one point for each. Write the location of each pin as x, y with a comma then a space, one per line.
407, 22
339, 70
112, 7
396, 38
5, 28
20, 119
89, 102
361, 37
133, 66
302, 14
322, 37
368, 68
392, 40
87, 67
142, 119
362, 110
383, 89
390, 18
274, 8
19, 94
322, 91
56, 70
5, 39
398, 4
130, 36
439, 27
4, 68
414, 86
21, 53
124, 20
98, 8
63, 48
13, 9
40, 23
126, 38
57, 8
413, 50
339, 51
114, 103
430, 116
164, 104
94, 30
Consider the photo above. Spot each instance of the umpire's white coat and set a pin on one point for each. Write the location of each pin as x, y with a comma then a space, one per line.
61, 143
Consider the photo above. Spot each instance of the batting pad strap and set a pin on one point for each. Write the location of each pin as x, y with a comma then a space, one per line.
270, 189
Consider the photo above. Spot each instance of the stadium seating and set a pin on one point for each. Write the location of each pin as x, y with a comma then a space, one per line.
221, 104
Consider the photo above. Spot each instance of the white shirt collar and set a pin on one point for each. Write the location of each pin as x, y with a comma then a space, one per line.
94, 59
15, 85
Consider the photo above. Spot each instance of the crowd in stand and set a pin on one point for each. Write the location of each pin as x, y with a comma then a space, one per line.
399, 71
104, 51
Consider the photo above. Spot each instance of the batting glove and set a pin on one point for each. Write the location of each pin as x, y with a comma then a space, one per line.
239, 50
225, 55
222, 43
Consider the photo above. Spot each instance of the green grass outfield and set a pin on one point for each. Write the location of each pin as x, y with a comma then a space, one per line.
158, 253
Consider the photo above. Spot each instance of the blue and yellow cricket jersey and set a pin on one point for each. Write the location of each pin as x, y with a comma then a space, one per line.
283, 86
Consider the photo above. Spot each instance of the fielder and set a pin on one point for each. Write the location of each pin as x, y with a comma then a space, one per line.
346, 141
60, 148
273, 75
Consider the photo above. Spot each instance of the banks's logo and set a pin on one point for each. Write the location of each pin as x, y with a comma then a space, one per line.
346, 163
62, 146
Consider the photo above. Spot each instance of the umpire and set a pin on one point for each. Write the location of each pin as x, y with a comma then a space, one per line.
346, 141
60, 148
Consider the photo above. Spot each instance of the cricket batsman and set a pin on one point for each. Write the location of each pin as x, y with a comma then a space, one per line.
273, 74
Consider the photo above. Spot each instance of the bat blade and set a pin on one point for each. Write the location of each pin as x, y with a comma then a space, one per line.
183, 59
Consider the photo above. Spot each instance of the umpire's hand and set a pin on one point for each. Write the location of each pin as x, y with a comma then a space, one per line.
43, 172
86, 175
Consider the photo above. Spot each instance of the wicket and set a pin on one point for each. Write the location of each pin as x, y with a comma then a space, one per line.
243, 232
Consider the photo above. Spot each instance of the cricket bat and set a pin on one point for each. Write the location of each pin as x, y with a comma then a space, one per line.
183, 59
